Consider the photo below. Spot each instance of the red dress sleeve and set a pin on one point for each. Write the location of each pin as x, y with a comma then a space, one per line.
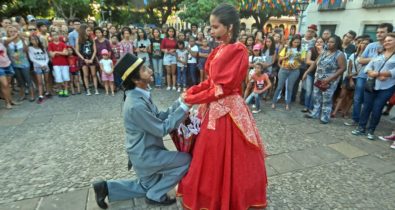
227, 69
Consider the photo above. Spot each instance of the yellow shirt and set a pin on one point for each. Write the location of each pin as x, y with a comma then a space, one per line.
294, 60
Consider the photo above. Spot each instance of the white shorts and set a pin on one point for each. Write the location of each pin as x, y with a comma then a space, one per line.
169, 60
61, 74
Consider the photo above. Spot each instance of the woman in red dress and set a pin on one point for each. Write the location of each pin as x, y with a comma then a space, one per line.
228, 167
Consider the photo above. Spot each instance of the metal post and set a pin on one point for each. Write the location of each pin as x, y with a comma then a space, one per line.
300, 21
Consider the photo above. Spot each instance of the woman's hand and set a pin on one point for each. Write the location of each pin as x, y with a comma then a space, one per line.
351, 83
382, 78
373, 74
325, 82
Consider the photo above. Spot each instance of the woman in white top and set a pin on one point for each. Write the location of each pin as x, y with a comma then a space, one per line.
39, 57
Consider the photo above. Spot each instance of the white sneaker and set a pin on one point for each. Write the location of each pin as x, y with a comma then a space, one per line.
253, 106
256, 111
179, 89
88, 93
168, 88
393, 146
174, 88
96, 92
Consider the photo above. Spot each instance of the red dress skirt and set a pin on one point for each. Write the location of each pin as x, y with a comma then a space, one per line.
227, 172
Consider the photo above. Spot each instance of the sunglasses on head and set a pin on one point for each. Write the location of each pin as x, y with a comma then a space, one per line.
32, 29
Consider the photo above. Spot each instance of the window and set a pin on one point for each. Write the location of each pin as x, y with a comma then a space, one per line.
378, 3
371, 31
328, 6
331, 28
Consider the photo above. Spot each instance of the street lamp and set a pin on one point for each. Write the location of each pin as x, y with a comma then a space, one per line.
302, 4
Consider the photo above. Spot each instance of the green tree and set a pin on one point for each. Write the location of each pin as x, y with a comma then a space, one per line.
159, 10
198, 11
262, 10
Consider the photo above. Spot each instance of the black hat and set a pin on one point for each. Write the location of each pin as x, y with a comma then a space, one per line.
127, 65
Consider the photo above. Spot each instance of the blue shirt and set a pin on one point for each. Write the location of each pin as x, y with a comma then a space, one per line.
375, 64
147, 94
371, 51
73, 37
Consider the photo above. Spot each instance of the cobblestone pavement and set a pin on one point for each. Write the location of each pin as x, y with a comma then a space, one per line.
50, 153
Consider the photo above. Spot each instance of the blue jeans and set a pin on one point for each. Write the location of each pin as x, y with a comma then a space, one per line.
182, 76
358, 99
283, 75
157, 65
192, 71
257, 98
373, 105
308, 87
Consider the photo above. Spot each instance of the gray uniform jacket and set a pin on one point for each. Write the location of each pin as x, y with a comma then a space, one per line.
145, 128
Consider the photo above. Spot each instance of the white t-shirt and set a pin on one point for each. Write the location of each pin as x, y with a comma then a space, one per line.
38, 57
107, 65
192, 59
181, 55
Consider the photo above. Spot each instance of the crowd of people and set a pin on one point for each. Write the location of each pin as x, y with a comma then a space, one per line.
41, 60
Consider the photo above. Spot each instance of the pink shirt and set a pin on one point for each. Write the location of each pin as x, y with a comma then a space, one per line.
4, 60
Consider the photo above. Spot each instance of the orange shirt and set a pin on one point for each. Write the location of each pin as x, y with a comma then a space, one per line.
259, 81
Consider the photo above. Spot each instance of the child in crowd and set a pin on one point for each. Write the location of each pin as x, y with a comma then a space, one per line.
193, 51
115, 48
58, 52
182, 56
39, 58
107, 68
204, 51
253, 59
74, 71
261, 83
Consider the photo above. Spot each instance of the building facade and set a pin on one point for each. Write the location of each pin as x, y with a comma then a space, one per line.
361, 16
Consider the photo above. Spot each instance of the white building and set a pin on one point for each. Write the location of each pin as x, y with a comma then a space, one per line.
361, 16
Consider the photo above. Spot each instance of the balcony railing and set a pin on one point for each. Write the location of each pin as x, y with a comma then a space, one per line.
378, 3
328, 6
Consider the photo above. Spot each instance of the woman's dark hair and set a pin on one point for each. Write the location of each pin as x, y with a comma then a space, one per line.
18, 19
180, 43
82, 36
227, 15
39, 43
99, 29
314, 51
153, 31
167, 32
338, 42
126, 29
272, 48
138, 36
294, 38
250, 37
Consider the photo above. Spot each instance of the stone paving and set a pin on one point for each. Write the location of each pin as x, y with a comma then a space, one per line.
50, 153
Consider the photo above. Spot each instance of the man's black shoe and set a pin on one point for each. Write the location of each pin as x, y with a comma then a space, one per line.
167, 202
101, 192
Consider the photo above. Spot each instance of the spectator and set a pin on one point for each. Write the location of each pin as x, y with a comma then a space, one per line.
330, 66
348, 46
5, 22
6, 73
157, 57
382, 70
126, 45
86, 51
142, 46
371, 51
168, 46
193, 51
58, 52
182, 58
107, 68
73, 36
290, 59
204, 51
74, 69
261, 83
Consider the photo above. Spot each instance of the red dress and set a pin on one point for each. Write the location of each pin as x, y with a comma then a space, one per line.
228, 168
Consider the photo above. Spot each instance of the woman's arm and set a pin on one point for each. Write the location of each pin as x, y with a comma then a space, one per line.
94, 52
77, 50
308, 58
341, 62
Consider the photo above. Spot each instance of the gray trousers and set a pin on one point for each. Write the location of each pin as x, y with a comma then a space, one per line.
153, 187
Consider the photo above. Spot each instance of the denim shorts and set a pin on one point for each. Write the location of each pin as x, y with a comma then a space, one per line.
6, 71
169, 60
38, 70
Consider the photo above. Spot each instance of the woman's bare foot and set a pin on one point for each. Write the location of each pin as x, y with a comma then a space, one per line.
273, 106
287, 107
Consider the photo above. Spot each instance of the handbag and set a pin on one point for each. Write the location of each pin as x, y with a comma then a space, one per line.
371, 82
321, 86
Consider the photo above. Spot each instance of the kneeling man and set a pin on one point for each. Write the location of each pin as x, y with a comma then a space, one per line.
158, 170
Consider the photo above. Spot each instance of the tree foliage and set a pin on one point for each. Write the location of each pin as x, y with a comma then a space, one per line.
262, 10
198, 11
159, 10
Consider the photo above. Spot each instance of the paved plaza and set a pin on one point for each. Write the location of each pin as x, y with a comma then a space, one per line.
50, 154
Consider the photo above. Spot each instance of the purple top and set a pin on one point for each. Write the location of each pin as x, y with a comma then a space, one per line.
103, 45
202, 61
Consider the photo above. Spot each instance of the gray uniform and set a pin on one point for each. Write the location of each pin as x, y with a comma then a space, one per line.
158, 169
